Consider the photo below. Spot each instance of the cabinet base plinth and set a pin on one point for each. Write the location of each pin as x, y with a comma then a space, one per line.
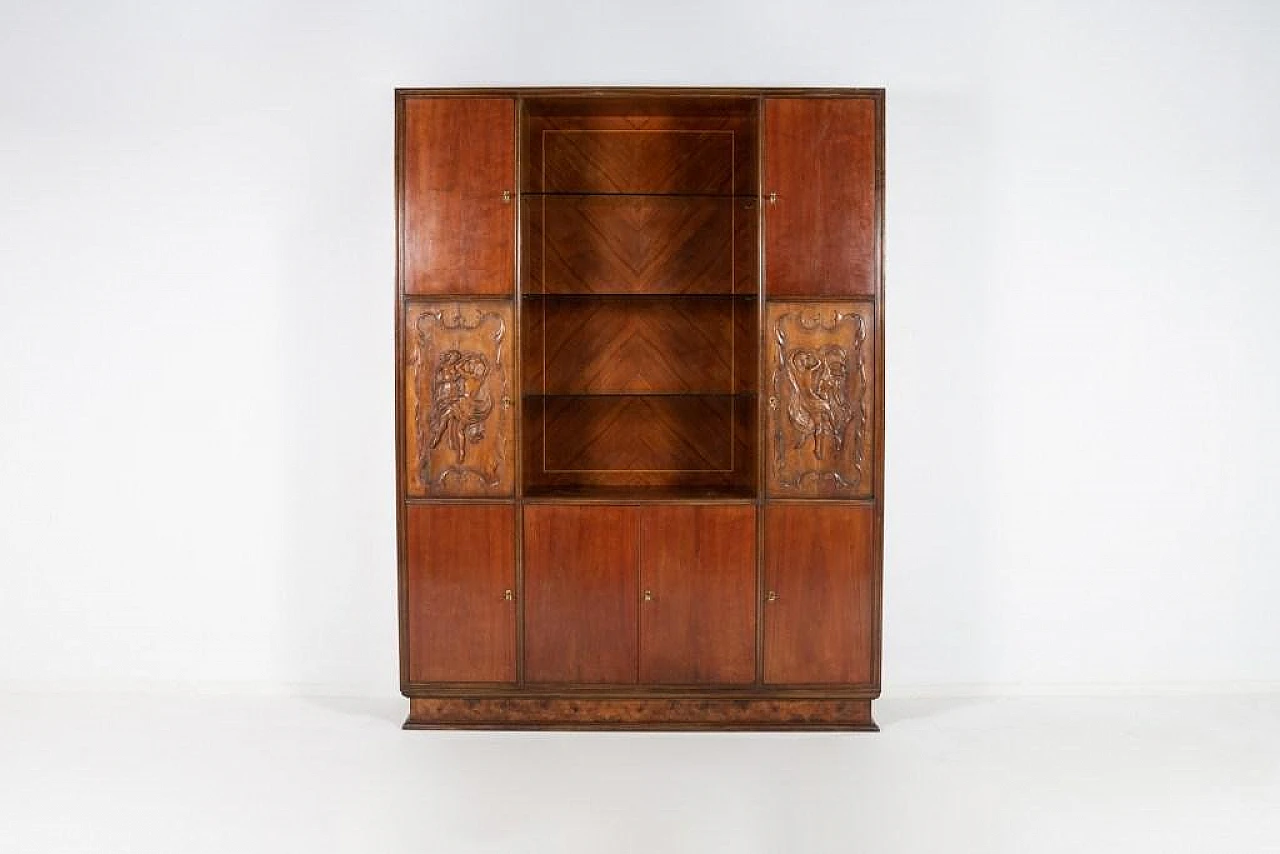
639, 714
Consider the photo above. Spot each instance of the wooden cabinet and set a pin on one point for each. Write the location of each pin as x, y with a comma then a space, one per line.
626, 594
640, 407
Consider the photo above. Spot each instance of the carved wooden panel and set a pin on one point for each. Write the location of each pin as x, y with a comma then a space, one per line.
460, 586
623, 345
457, 230
820, 159
633, 244
458, 399
821, 399
820, 600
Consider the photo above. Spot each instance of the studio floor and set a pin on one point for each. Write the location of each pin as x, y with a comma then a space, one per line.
192, 773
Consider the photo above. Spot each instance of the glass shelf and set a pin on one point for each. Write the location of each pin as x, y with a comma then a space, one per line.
527, 194
652, 295
529, 395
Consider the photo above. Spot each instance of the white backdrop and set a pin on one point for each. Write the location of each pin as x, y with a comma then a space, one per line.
196, 237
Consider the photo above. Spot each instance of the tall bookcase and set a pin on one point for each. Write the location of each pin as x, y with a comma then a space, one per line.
640, 407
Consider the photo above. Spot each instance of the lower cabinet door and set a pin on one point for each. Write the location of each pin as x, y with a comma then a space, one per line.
580, 580
460, 592
819, 609
698, 598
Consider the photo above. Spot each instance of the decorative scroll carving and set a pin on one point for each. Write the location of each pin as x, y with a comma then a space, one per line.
820, 401
458, 399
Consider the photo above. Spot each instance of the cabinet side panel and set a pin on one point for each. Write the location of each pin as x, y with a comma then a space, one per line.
820, 609
580, 594
698, 606
460, 565
458, 159
820, 160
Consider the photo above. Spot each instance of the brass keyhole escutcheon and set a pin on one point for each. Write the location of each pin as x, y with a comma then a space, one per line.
771, 596
648, 596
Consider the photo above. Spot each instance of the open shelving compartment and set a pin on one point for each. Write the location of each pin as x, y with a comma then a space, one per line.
639, 283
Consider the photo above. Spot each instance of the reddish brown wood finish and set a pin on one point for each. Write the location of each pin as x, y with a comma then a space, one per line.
635, 244
636, 465
580, 594
458, 404
818, 562
640, 713
458, 158
820, 159
705, 147
461, 566
698, 595
626, 345
699, 442
821, 409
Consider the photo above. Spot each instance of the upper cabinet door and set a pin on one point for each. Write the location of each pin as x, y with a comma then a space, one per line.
820, 165
457, 174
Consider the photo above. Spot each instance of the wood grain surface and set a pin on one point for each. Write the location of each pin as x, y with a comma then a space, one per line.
820, 158
460, 564
457, 232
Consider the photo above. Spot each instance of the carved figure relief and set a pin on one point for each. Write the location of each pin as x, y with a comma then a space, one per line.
458, 400
820, 399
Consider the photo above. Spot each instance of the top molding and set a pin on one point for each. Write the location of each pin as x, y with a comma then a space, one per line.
587, 91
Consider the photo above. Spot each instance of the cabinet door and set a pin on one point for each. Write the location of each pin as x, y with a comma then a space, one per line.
457, 158
459, 593
458, 409
821, 376
820, 604
698, 600
580, 581
820, 158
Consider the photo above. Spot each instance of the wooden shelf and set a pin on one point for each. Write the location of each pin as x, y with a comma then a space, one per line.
640, 494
